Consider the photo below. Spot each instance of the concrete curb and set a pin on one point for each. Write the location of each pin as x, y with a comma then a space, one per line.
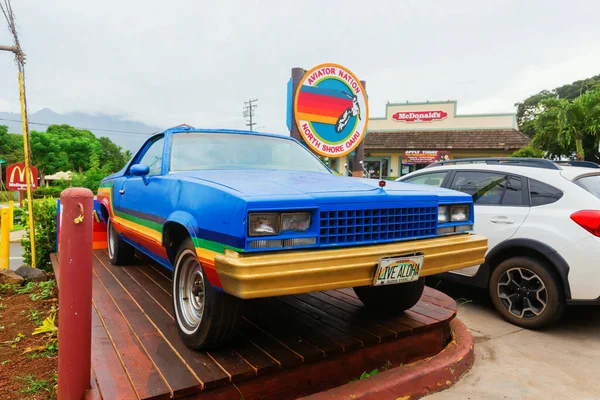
414, 380
16, 236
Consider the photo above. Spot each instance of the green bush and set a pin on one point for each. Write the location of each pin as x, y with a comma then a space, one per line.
44, 221
51, 191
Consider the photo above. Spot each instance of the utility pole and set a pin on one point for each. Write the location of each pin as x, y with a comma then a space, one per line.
249, 112
6, 9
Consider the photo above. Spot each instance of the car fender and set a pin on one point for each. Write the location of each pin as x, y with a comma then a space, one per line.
183, 218
557, 261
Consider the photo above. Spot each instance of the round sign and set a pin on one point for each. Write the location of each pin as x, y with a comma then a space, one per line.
331, 110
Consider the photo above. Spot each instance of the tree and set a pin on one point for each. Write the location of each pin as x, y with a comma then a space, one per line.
529, 152
48, 154
11, 146
112, 157
531, 108
567, 122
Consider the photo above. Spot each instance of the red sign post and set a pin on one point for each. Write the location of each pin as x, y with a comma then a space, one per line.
16, 180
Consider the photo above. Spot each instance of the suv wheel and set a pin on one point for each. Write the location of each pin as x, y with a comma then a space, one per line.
119, 252
206, 317
391, 298
526, 292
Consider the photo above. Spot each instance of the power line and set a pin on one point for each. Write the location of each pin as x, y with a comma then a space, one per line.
249, 112
78, 127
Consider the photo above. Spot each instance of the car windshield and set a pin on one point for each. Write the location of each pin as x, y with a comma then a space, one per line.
591, 184
203, 151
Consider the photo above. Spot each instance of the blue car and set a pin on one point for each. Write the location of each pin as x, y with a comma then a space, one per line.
238, 215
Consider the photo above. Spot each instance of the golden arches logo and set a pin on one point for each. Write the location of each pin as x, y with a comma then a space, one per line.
18, 171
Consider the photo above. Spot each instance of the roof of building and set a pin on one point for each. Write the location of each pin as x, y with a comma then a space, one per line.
500, 139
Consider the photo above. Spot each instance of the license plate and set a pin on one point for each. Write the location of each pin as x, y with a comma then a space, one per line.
402, 269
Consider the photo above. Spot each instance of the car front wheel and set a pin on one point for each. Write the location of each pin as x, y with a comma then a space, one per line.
526, 292
391, 298
119, 252
206, 317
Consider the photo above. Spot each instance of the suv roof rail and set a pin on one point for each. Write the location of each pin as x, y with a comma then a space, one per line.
516, 161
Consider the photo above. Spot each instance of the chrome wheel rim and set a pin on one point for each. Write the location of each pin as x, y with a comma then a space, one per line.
191, 291
111, 240
522, 293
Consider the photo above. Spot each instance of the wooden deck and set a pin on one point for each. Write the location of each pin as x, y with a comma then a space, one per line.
286, 347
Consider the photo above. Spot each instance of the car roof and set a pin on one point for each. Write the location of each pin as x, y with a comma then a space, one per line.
535, 173
534, 168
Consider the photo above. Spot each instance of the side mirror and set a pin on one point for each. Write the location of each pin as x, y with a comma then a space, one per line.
140, 170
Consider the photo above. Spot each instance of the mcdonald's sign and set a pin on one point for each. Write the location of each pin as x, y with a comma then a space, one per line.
16, 180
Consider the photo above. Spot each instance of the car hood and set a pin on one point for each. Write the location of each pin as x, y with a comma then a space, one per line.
250, 183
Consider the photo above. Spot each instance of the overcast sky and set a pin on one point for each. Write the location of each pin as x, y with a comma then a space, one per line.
169, 62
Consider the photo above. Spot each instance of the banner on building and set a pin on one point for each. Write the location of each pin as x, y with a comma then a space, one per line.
424, 156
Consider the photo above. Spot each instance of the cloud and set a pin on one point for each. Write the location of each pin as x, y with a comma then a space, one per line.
164, 63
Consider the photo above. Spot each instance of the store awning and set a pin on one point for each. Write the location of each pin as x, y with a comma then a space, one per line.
488, 139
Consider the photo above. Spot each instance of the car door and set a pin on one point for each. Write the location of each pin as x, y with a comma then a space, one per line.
140, 198
500, 201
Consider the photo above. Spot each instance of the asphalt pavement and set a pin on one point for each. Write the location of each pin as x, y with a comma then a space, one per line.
514, 363
16, 256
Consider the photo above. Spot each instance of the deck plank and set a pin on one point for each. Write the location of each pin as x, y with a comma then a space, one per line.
292, 334
365, 337
177, 376
290, 315
203, 366
279, 352
109, 372
317, 300
144, 376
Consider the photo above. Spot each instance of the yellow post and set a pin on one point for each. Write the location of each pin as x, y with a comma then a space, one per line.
11, 213
4, 238
27, 169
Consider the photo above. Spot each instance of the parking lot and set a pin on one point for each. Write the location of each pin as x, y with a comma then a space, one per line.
514, 363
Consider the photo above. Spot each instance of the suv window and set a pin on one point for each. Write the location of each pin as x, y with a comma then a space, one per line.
489, 188
542, 194
153, 157
432, 179
513, 194
484, 187
591, 184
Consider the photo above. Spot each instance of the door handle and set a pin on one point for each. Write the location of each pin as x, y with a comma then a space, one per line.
122, 191
502, 220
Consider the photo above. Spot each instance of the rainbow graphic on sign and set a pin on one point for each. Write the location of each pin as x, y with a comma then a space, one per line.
316, 104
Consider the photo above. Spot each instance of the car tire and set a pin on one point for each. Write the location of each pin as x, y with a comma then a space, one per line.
119, 252
391, 298
526, 292
206, 317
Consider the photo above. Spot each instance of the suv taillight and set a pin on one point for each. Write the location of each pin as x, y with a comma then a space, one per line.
588, 220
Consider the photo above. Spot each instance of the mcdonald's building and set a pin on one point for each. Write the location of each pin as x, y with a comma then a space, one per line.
409, 136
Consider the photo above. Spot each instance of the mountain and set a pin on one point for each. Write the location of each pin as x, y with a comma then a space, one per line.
126, 133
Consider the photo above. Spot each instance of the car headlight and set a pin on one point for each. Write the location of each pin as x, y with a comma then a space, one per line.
459, 212
269, 224
297, 222
263, 224
443, 214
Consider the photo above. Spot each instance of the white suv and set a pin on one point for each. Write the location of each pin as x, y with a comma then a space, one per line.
542, 221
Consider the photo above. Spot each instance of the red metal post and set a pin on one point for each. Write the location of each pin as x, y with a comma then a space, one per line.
75, 293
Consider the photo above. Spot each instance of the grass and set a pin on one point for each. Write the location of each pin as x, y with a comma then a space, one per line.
17, 227
31, 385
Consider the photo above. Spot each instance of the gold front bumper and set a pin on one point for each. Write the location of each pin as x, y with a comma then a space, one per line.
279, 273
